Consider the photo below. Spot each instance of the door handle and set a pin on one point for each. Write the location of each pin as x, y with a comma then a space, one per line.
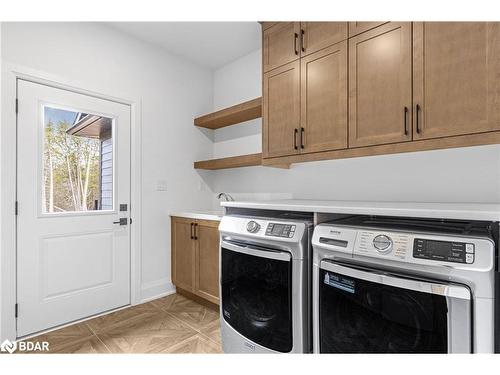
405, 120
195, 234
122, 221
295, 132
295, 40
191, 233
302, 43
302, 138
417, 119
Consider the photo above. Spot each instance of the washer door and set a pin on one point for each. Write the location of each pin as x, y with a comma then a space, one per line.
367, 311
256, 294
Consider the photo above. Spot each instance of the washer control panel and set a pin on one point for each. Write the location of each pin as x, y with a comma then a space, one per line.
429, 249
280, 230
447, 251
391, 245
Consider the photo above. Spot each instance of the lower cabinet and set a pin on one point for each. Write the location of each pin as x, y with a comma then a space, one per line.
195, 257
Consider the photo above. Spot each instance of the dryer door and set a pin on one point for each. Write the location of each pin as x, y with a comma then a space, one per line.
363, 310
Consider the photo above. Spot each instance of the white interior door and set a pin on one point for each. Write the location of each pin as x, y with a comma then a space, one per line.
73, 259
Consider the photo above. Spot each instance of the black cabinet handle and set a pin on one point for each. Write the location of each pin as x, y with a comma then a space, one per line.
405, 120
417, 118
192, 226
295, 132
302, 44
195, 234
295, 40
302, 138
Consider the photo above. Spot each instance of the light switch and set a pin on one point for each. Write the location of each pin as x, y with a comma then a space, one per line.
161, 185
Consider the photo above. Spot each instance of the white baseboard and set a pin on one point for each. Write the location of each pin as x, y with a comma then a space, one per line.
156, 289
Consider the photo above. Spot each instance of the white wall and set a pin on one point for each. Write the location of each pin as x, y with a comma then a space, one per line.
172, 92
465, 174
235, 83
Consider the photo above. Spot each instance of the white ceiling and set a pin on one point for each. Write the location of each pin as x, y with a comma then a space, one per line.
210, 44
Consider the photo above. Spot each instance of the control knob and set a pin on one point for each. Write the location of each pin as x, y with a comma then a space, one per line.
383, 244
253, 226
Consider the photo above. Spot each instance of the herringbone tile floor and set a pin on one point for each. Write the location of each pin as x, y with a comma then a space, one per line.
173, 324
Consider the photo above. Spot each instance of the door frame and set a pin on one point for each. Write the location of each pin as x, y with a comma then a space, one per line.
10, 75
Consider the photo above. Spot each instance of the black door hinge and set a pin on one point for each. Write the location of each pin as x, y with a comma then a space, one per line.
17, 105
130, 220
16, 307
16, 208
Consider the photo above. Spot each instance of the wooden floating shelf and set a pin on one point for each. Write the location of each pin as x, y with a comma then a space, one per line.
232, 115
231, 162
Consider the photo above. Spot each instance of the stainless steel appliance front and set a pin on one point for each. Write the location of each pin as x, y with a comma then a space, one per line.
377, 289
264, 285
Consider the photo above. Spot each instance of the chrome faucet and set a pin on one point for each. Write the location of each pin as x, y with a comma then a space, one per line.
226, 197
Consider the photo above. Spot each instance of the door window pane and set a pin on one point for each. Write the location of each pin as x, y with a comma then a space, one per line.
77, 161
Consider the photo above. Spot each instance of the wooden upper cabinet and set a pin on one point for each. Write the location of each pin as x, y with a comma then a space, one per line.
281, 111
324, 99
318, 35
358, 27
183, 253
280, 44
380, 97
267, 24
456, 79
207, 260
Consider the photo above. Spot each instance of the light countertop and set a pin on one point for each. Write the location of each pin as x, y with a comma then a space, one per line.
201, 215
458, 211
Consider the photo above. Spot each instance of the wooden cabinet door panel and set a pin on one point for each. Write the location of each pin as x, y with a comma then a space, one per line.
207, 260
281, 110
324, 99
183, 253
380, 86
358, 27
319, 35
267, 24
456, 78
280, 44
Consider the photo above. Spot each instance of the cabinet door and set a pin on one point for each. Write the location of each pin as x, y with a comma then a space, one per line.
280, 44
319, 35
456, 78
358, 27
207, 260
281, 111
183, 252
267, 24
380, 85
324, 99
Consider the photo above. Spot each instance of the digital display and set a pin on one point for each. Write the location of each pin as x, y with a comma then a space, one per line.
439, 248
278, 228
448, 251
